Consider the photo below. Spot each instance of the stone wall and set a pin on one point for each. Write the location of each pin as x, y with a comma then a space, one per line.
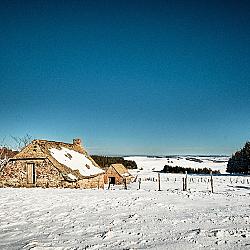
112, 173
14, 174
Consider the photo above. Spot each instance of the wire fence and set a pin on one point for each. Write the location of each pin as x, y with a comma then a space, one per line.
182, 182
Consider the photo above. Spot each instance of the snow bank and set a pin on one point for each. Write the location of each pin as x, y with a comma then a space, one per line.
75, 161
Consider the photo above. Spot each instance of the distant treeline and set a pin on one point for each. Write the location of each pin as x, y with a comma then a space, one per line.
177, 170
105, 161
240, 161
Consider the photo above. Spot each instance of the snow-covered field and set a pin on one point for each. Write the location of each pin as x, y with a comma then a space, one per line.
149, 163
130, 219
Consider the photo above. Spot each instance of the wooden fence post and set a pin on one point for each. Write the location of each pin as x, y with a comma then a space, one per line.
212, 184
125, 183
186, 181
183, 184
159, 182
109, 184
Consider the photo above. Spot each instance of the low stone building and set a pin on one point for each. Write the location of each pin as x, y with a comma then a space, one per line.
45, 163
117, 174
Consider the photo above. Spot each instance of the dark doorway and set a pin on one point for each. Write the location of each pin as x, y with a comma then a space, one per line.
112, 180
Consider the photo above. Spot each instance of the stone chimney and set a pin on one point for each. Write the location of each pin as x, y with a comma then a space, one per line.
77, 145
77, 142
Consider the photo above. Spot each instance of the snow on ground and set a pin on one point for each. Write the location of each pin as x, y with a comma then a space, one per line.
215, 163
130, 219
75, 161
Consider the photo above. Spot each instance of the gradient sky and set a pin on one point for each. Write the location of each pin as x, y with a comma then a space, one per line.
128, 77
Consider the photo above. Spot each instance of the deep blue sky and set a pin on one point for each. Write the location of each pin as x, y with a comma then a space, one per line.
141, 77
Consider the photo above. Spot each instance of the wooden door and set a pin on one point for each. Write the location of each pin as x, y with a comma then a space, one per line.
30, 173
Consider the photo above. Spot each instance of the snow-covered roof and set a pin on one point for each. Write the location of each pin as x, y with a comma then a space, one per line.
121, 170
66, 157
75, 160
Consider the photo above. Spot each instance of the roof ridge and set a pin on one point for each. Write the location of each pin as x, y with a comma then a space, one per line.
41, 140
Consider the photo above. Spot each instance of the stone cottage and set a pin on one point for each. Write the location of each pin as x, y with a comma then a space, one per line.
45, 163
117, 174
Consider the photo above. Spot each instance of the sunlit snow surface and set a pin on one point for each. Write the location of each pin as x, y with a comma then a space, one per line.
75, 161
149, 163
130, 219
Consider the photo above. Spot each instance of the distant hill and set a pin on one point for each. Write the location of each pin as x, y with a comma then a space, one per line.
240, 161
